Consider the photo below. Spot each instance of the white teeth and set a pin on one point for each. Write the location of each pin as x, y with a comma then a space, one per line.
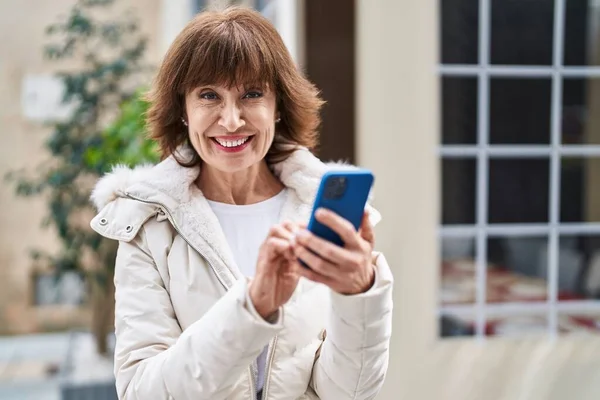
232, 143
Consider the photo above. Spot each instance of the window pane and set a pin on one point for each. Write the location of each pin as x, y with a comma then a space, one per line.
518, 190
582, 33
580, 189
579, 322
458, 271
457, 284
66, 289
199, 5
518, 325
517, 269
455, 325
581, 111
520, 111
459, 110
458, 191
459, 31
579, 267
522, 32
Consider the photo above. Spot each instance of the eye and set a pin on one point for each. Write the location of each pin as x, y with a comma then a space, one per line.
253, 94
208, 95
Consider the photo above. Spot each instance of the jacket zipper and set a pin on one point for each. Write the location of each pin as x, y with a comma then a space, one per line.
178, 230
253, 379
172, 220
270, 356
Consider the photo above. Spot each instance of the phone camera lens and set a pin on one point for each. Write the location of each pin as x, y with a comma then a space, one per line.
336, 187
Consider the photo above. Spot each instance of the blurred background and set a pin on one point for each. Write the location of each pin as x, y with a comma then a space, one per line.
480, 119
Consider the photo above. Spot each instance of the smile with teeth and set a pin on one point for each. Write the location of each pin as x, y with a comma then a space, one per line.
232, 143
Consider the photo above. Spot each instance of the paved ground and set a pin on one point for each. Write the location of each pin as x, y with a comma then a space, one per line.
33, 367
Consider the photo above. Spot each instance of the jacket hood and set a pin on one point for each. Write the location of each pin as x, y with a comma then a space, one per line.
301, 172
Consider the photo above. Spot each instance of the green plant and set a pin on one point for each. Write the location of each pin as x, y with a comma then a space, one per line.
121, 141
106, 127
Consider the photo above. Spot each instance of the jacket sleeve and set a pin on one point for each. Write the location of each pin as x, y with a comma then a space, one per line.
353, 360
154, 359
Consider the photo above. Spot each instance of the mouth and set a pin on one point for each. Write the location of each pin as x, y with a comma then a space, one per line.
232, 143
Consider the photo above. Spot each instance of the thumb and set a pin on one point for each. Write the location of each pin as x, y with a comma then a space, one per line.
366, 229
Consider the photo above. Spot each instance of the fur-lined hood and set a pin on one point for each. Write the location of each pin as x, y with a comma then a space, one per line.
127, 198
301, 172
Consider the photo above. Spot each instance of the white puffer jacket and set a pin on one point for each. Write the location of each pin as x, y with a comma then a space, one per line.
184, 327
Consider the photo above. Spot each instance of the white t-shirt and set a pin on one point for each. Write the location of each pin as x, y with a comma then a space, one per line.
246, 227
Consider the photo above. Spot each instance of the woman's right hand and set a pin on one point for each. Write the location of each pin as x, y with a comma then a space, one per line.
276, 271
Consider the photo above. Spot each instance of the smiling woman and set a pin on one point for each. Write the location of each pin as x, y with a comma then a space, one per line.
247, 61
236, 121
209, 239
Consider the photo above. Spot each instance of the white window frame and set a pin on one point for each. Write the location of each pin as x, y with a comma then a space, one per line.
198, 5
174, 15
482, 151
287, 17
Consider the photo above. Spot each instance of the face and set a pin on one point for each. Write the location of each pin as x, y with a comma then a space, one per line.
231, 128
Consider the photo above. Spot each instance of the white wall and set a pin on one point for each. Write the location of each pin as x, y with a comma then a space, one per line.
174, 15
397, 130
397, 120
22, 26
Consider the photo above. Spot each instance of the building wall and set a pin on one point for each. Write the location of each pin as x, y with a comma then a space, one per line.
22, 26
398, 118
397, 134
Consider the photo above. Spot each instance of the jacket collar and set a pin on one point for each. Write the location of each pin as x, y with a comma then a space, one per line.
172, 186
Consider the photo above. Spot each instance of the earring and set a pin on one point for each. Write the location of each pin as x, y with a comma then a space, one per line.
184, 122
278, 120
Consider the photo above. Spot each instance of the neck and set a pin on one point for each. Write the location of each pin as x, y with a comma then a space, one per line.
252, 185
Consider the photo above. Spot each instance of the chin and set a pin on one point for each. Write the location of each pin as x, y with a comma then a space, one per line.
235, 165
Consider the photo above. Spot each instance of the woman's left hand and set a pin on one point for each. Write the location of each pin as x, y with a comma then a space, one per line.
347, 270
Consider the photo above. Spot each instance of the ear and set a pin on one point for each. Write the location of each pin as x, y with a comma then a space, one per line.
184, 117
183, 107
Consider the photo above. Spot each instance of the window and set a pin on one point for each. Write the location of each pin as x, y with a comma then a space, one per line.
66, 289
520, 151
283, 14
198, 5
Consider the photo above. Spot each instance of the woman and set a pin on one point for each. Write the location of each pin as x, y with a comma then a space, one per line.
211, 302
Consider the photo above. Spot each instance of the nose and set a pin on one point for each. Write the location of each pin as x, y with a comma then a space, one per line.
231, 117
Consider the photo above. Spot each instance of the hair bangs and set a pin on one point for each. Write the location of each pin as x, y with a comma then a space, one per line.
232, 58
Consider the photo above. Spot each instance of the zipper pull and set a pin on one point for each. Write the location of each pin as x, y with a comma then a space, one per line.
161, 215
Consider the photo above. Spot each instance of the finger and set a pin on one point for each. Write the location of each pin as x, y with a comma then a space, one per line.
314, 276
290, 226
339, 225
287, 231
277, 246
316, 263
327, 250
280, 231
295, 228
366, 229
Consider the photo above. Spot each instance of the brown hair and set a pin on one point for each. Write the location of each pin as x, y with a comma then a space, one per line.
233, 47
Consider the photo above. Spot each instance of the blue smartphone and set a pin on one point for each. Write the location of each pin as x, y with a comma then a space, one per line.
345, 193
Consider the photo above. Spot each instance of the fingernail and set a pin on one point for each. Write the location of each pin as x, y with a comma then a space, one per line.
321, 212
302, 234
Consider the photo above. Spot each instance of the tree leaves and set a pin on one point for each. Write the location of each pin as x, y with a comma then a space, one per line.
106, 127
